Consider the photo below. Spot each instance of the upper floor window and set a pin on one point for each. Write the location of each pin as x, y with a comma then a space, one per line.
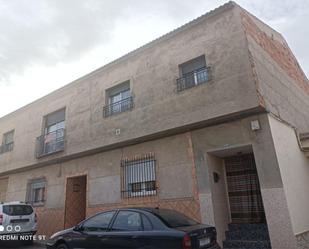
7, 142
118, 99
193, 73
36, 191
139, 176
53, 136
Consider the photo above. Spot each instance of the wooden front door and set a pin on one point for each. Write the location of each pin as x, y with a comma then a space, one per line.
244, 192
75, 202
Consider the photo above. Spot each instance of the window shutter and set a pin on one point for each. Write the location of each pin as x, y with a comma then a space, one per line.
55, 117
193, 65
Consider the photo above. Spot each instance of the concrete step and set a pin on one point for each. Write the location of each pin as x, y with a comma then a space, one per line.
261, 234
246, 227
246, 244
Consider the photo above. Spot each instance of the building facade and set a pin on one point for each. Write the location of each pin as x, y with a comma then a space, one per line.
210, 119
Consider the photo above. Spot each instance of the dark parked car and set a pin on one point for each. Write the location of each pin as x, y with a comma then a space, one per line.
139, 228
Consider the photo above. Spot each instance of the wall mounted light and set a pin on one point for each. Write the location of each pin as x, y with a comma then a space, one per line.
216, 177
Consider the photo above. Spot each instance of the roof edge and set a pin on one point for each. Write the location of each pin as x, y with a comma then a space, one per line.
216, 11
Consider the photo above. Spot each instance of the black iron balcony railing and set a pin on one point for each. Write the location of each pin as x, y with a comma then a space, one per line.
193, 79
6, 147
50, 143
118, 107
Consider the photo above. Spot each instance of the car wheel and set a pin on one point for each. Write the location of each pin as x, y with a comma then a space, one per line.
62, 246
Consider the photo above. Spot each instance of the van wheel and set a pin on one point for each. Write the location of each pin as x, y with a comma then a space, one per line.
62, 246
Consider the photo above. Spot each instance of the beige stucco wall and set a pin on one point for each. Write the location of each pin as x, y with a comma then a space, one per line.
294, 169
230, 138
173, 165
175, 178
152, 71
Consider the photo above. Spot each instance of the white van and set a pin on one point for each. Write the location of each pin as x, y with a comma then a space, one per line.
17, 218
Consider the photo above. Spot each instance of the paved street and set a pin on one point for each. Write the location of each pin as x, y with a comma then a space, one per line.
17, 245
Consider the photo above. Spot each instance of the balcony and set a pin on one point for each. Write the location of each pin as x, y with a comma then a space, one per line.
6, 147
50, 143
193, 79
118, 107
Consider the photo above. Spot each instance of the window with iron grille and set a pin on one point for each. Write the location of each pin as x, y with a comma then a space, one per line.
7, 142
36, 191
139, 176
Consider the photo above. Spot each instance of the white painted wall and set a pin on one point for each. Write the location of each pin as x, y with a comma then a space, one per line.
219, 196
294, 169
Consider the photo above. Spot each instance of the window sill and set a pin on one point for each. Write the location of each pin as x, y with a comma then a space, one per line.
37, 204
49, 153
6, 152
139, 194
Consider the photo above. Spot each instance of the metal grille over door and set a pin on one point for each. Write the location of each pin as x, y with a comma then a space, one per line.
244, 190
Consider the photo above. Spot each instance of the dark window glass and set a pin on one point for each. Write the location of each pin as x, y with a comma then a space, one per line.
36, 191
173, 218
98, 222
151, 185
136, 187
7, 142
17, 209
127, 221
193, 65
193, 73
146, 223
54, 118
53, 139
38, 195
118, 99
139, 176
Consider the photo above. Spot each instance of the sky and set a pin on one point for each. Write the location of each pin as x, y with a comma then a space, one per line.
46, 44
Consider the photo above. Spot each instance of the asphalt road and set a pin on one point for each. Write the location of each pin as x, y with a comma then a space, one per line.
18, 245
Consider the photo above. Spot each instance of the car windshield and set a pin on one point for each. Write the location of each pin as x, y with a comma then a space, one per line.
174, 219
17, 209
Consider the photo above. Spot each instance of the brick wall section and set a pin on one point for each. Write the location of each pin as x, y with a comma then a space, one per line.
188, 206
52, 220
278, 51
49, 220
195, 191
256, 80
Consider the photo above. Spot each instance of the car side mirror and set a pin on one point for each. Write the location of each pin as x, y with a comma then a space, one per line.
78, 228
